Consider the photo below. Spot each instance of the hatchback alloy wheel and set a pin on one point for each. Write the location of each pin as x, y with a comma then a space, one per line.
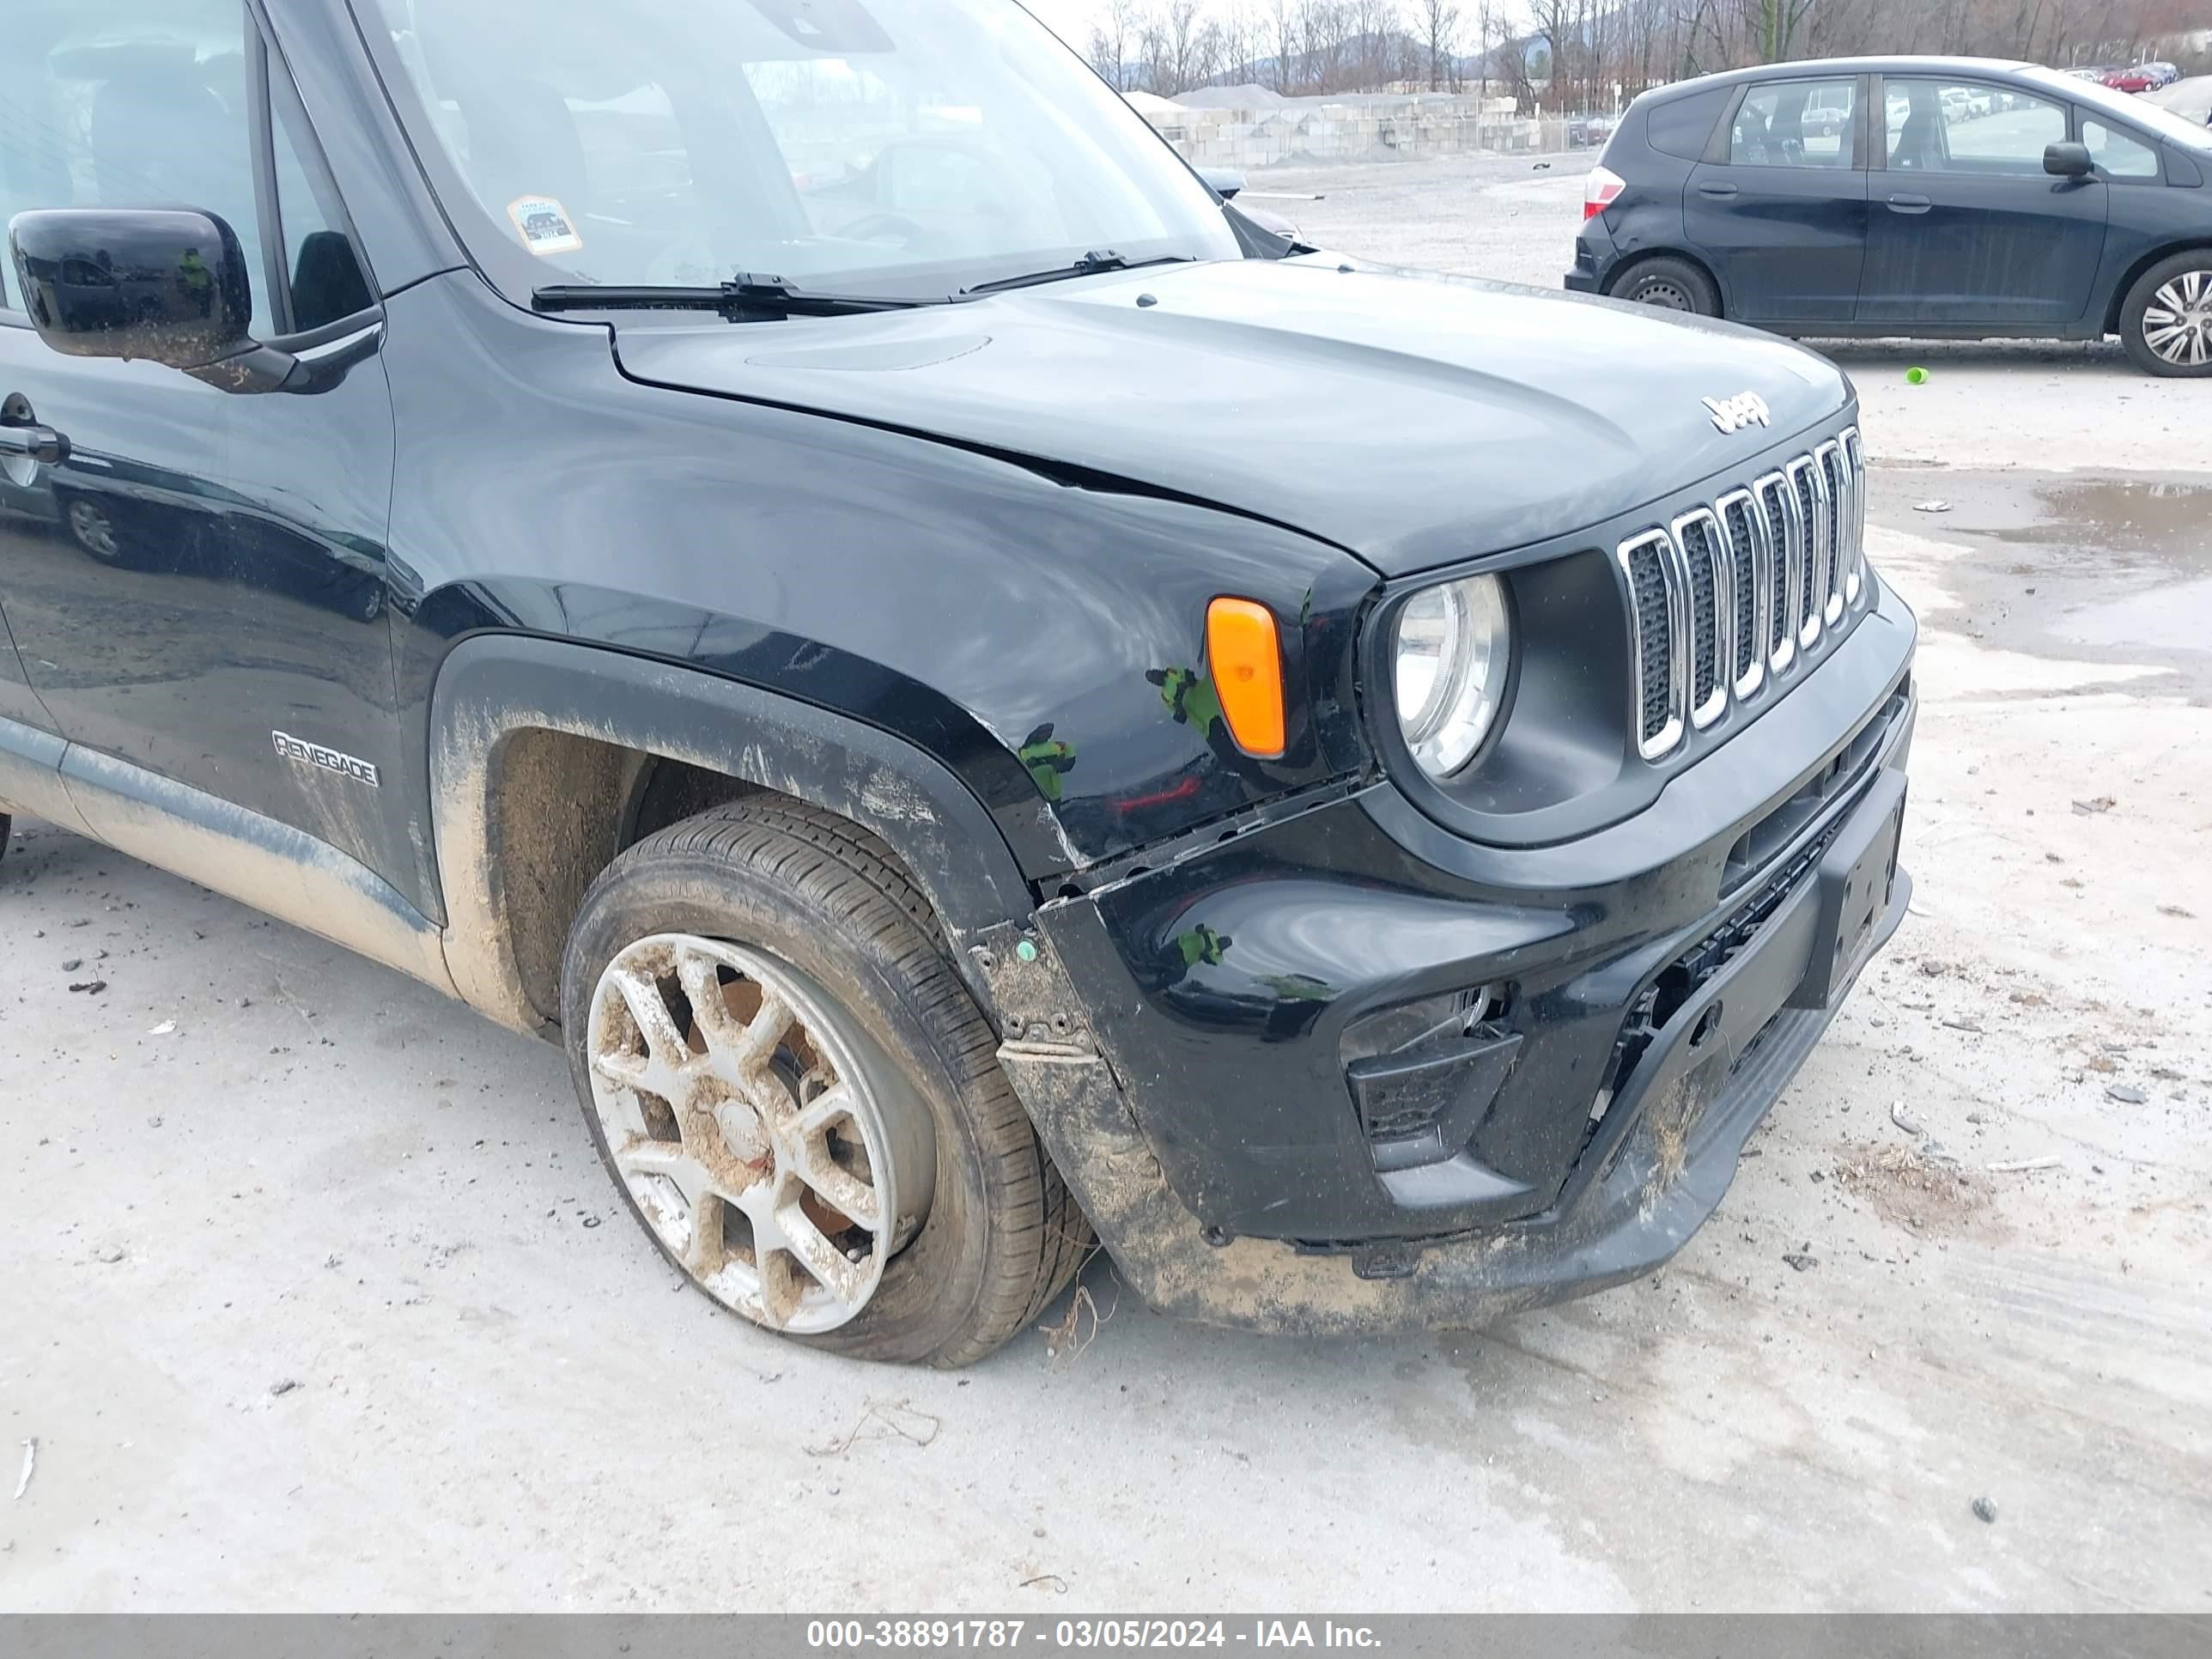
2166, 321
2177, 324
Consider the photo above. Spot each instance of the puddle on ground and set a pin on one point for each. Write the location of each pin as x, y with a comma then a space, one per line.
2120, 563
2168, 519
2156, 516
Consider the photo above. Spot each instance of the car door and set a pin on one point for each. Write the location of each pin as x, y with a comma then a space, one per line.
1778, 205
27, 514
1965, 227
205, 606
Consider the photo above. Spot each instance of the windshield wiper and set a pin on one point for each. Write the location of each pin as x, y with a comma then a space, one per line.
1089, 266
745, 298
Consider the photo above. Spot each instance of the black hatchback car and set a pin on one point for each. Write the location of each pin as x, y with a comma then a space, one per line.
1989, 199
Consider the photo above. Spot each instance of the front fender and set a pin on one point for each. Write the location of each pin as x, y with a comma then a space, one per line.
494, 688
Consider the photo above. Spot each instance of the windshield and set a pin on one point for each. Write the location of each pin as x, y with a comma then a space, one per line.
2132, 108
904, 149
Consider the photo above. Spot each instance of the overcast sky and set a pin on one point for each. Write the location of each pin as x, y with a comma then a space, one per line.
1069, 19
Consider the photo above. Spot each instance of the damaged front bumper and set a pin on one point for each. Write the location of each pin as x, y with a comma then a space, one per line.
1208, 1058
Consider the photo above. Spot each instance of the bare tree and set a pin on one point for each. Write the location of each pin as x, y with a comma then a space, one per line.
1324, 39
1440, 31
1588, 47
1111, 37
1280, 27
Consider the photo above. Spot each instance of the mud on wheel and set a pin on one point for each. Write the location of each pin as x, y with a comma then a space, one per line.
798, 1096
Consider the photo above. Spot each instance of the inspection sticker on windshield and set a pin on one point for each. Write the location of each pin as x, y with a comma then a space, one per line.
545, 225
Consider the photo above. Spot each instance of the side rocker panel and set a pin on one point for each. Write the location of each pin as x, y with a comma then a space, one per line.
257, 860
496, 689
30, 775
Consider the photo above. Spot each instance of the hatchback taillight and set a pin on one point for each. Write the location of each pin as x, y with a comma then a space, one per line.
1603, 189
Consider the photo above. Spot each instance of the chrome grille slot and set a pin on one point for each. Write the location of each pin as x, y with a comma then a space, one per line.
1835, 484
1705, 571
1804, 481
1731, 595
1654, 621
1785, 562
1854, 469
1743, 525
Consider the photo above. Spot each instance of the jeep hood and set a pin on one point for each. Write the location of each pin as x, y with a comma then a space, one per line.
1412, 419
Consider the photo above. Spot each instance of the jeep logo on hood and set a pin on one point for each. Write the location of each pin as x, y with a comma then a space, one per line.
1733, 414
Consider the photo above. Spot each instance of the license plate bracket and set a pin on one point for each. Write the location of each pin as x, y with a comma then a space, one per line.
1857, 875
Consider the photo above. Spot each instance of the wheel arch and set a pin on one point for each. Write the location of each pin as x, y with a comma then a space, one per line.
1644, 256
543, 754
2117, 300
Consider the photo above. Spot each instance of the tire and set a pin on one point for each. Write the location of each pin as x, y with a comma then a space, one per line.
824, 913
1669, 285
2176, 294
92, 527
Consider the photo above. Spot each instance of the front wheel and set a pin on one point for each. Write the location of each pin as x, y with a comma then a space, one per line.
1670, 285
2166, 323
799, 1097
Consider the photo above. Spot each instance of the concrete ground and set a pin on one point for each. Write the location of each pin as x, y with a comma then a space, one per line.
1997, 1170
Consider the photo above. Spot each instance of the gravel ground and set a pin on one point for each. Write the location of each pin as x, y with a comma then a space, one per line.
324, 1176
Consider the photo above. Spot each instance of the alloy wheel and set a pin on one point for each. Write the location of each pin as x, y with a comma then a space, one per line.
94, 530
2177, 324
771, 1145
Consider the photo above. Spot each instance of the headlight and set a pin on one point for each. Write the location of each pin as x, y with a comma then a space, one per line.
1451, 647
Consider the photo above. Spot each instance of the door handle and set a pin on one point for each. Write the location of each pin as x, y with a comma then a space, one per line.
40, 443
1715, 189
1909, 205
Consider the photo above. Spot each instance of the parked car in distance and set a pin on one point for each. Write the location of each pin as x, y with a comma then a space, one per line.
2069, 210
2164, 73
1054, 710
2141, 78
1584, 132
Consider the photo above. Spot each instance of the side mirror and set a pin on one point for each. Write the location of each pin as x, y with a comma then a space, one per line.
165, 285
169, 286
2068, 160
1226, 182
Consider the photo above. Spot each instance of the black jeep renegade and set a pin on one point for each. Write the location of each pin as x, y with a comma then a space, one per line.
792, 547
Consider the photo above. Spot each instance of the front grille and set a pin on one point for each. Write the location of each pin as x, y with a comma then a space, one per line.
1728, 596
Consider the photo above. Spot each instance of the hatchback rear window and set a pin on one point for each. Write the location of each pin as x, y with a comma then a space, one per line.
1681, 126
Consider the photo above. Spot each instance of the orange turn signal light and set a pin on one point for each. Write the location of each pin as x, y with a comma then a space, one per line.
1245, 656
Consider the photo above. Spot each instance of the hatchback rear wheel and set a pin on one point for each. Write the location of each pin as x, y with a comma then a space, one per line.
2167, 322
1669, 285
799, 1097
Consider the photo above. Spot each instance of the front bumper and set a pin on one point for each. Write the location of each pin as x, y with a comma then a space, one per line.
1658, 986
